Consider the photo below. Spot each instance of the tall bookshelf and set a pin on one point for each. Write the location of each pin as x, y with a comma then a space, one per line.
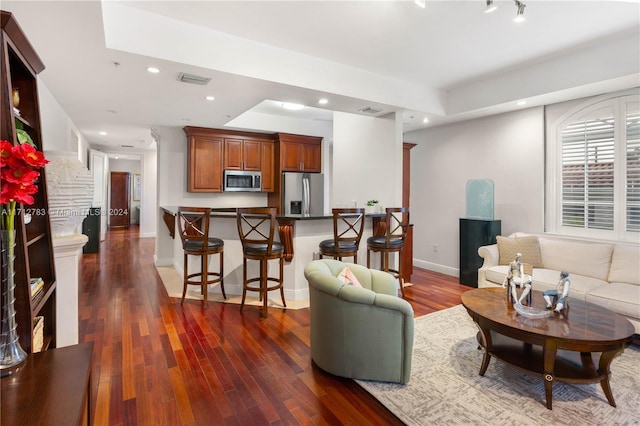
34, 250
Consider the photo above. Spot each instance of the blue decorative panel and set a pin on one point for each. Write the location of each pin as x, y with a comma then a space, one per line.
480, 199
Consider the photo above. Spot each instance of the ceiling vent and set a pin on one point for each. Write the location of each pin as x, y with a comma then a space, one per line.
369, 110
193, 79
126, 146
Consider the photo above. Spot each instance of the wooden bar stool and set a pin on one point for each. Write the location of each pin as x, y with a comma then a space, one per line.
256, 229
348, 225
193, 226
395, 232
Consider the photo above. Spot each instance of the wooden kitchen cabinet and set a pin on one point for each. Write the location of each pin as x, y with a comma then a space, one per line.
267, 153
204, 161
242, 154
300, 153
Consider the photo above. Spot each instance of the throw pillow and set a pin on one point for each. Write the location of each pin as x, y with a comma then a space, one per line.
348, 277
528, 246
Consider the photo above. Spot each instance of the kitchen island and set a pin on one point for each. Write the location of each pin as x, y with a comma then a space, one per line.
300, 235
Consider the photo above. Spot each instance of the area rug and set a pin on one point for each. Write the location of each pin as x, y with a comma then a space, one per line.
173, 284
445, 387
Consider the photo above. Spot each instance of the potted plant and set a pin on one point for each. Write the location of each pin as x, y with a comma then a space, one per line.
372, 206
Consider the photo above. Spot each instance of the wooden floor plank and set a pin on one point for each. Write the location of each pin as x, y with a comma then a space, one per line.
162, 363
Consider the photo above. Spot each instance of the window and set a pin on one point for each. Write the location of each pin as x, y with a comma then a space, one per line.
594, 170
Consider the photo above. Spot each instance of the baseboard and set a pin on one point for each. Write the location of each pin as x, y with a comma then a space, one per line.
148, 235
167, 261
447, 270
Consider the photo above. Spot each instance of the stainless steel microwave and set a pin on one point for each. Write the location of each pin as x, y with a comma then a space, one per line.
238, 180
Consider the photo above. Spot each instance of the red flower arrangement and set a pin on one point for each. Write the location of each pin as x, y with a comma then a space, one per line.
19, 166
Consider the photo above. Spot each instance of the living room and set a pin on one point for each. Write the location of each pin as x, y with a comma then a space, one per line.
478, 132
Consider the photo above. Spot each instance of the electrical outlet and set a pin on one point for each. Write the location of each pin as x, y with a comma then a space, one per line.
435, 248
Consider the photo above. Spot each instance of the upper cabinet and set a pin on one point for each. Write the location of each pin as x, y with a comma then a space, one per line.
212, 151
20, 112
242, 154
300, 153
204, 160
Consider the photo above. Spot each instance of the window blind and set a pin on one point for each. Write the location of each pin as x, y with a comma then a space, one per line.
588, 173
633, 169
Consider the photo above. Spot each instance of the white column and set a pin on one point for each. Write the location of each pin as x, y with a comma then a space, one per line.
67, 251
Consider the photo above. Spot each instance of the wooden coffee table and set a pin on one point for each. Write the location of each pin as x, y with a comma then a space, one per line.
576, 347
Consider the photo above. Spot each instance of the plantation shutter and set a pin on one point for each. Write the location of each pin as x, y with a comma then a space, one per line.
633, 168
587, 172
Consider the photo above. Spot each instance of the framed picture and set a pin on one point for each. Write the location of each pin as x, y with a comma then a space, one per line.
137, 187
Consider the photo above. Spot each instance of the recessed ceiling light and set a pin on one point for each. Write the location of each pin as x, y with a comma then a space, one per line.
421, 3
103, 133
116, 157
292, 106
153, 70
323, 101
520, 103
426, 120
210, 98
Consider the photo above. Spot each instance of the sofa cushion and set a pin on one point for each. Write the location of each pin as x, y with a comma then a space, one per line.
528, 246
590, 259
622, 298
625, 265
547, 279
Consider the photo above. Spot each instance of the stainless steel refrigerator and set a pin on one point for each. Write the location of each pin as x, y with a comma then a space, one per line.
303, 193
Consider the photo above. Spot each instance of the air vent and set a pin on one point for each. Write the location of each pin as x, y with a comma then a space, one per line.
126, 146
369, 110
193, 79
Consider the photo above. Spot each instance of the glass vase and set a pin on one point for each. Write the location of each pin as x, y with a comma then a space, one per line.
11, 353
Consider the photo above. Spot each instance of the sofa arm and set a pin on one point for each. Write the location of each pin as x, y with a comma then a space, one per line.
395, 303
490, 254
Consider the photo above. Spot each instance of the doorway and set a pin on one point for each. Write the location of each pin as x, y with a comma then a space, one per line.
120, 204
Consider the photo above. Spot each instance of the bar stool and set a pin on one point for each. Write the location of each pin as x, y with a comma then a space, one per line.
193, 226
348, 225
396, 226
256, 229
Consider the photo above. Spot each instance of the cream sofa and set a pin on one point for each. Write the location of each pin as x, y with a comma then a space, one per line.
604, 274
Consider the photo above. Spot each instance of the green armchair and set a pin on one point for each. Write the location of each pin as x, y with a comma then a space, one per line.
359, 332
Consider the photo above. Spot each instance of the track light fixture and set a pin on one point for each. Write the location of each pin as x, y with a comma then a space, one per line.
490, 7
520, 14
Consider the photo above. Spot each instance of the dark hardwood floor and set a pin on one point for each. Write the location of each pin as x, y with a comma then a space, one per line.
156, 362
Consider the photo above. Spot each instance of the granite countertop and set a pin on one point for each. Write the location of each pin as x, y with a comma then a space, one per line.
231, 212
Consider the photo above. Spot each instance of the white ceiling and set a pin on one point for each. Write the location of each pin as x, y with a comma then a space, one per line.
446, 62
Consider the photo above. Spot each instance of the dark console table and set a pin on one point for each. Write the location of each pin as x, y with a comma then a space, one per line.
50, 388
475, 233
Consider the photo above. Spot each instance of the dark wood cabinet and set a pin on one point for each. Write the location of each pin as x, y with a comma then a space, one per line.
267, 154
204, 161
212, 151
300, 153
475, 233
34, 250
242, 155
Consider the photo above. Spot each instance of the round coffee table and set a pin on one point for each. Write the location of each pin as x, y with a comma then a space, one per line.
576, 346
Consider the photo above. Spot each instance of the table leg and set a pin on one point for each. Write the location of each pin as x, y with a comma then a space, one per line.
486, 347
603, 369
549, 357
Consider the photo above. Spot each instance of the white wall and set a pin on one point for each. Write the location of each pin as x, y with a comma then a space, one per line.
367, 160
149, 199
508, 148
58, 131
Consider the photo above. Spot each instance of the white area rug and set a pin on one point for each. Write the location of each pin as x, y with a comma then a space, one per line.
173, 283
445, 387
